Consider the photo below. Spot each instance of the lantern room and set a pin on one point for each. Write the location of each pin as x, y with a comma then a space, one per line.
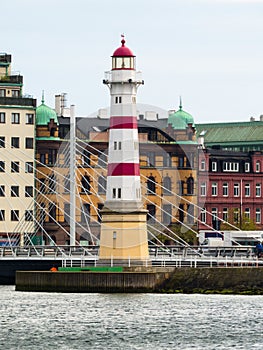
123, 57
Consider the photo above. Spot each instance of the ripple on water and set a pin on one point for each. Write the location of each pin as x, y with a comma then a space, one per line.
128, 321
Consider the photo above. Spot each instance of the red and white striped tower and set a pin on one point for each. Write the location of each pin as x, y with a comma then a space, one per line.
123, 230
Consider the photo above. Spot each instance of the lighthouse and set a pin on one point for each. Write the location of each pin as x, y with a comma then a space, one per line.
123, 227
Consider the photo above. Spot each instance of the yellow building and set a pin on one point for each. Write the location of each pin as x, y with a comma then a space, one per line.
168, 162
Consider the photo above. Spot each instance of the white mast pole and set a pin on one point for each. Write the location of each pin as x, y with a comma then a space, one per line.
72, 175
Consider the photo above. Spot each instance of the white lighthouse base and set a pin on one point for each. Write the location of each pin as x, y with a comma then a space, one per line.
123, 238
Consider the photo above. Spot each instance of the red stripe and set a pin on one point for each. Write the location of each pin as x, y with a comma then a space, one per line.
123, 122
123, 169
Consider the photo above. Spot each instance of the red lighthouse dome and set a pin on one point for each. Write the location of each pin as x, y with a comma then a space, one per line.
123, 58
123, 51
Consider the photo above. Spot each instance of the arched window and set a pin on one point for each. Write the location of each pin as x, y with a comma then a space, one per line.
151, 185
102, 185
167, 185
85, 184
257, 166
190, 185
180, 187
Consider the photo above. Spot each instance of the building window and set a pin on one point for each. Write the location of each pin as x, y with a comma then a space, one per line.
29, 118
29, 142
236, 215
52, 184
15, 93
102, 183
2, 190
258, 190
85, 184
2, 166
15, 118
190, 214
258, 216
52, 212
2, 117
180, 162
52, 156
14, 167
151, 186
14, 191
151, 159
2, 93
181, 213
180, 187
190, 185
151, 213
2, 215
225, 214
247, 214
236, 190
257, 166
203, 216
167, 185
14, 215
85, 213
214, 189
167, 214
29, 215
42, 158
225, 189
203, 189
28, 191
167, 160
29, 167
202, 165
231, 166
15, 142
214, 166
2, 141
247, 190
247, 167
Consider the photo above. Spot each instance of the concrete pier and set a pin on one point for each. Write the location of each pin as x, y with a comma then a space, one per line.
133, 281
248, 280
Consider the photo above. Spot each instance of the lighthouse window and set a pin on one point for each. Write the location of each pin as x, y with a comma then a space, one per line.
133, 99
118, 99
115, 145
119, 145
116, 193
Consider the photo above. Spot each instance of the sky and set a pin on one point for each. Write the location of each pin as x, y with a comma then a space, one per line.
210, 52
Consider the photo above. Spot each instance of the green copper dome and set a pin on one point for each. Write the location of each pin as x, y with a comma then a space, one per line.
180, 119
44, 114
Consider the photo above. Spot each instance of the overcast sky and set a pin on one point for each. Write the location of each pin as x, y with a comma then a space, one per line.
208, 51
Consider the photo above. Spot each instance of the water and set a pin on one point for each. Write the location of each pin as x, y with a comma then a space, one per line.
34, 321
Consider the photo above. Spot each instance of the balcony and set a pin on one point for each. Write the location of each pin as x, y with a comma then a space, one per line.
11, 79
18, 101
